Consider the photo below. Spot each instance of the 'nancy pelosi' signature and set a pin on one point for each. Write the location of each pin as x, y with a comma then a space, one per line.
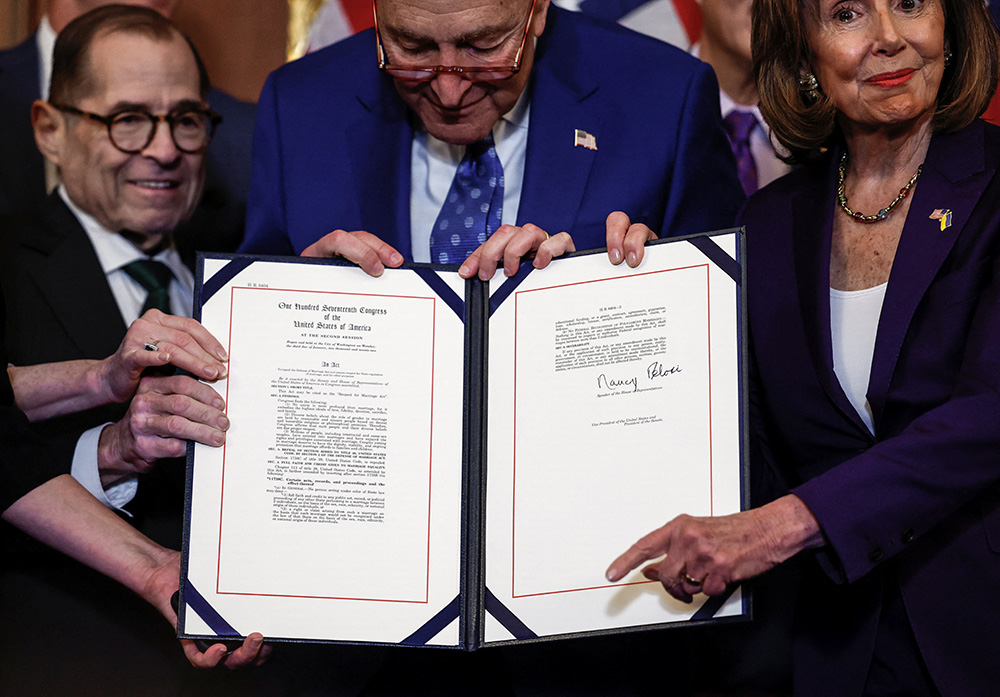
630, 383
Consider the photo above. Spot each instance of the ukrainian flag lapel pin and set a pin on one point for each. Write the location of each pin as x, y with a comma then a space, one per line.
944, 215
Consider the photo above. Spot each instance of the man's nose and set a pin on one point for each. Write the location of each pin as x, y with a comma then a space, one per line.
162, 147
450, 89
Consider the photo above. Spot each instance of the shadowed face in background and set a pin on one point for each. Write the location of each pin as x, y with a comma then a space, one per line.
726, 23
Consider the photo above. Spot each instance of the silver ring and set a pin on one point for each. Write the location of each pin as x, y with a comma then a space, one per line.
692, 581
151, 345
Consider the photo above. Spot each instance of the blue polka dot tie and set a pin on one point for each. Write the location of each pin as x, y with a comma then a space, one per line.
473, 209
739, 125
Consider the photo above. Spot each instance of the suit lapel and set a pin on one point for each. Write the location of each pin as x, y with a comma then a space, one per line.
382, 174
953, 177
70, 278
555, 169
812, 229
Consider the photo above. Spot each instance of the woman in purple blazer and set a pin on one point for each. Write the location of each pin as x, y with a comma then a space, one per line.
874, 315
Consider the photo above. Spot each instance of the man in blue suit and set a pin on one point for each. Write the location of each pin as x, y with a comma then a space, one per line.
360, 146
585, 118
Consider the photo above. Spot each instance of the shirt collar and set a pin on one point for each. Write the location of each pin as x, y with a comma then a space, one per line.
114, 251
728, 106
45, 39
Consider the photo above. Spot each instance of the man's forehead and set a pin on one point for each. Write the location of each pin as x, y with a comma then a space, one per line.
436, 18
132, 67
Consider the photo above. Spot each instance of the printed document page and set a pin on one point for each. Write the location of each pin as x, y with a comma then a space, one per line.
333, 510
614, 406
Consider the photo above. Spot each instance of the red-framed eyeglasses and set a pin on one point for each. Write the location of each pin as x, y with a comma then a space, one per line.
488, 73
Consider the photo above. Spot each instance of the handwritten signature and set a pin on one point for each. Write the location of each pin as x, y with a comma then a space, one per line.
621, 384
606, 383
658, 370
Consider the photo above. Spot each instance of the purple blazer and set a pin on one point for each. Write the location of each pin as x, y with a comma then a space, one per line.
918, 504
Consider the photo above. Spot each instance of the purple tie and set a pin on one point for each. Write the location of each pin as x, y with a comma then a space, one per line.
739, 125
473, 209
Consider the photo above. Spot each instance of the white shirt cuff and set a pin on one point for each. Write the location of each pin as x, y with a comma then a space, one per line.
85, 471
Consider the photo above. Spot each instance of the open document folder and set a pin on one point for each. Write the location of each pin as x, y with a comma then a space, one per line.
418, 459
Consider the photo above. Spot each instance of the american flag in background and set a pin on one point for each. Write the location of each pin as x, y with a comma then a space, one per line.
338, 19
675, 21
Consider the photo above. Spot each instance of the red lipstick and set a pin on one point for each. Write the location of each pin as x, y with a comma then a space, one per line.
891, 79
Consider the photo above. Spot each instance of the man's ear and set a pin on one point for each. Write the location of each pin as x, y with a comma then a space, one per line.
49, 125
541, 12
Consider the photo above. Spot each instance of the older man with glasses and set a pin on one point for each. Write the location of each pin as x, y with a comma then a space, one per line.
480, 132
126, 125
496, 128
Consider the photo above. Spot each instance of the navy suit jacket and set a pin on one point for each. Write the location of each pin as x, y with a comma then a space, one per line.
332, 147
918, 504
218, 221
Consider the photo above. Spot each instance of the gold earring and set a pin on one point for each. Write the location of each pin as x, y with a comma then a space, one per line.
809, 87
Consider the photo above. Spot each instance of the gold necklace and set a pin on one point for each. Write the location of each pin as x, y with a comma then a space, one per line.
883, 213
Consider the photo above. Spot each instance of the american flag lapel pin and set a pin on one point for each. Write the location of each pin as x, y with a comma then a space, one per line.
583, 139
944, 215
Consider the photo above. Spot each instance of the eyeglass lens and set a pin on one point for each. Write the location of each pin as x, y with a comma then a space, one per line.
422, 74
134, 131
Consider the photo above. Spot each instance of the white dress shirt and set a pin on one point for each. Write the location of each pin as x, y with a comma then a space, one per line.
114, 252
433, 164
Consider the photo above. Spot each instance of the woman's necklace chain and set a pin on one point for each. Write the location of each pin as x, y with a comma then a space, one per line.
882, 214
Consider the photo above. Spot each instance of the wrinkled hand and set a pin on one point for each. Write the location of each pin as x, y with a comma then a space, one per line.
359, 247
708, 554
509, 245
253, 652
162, 584
180, 341
626, 240
165, 412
